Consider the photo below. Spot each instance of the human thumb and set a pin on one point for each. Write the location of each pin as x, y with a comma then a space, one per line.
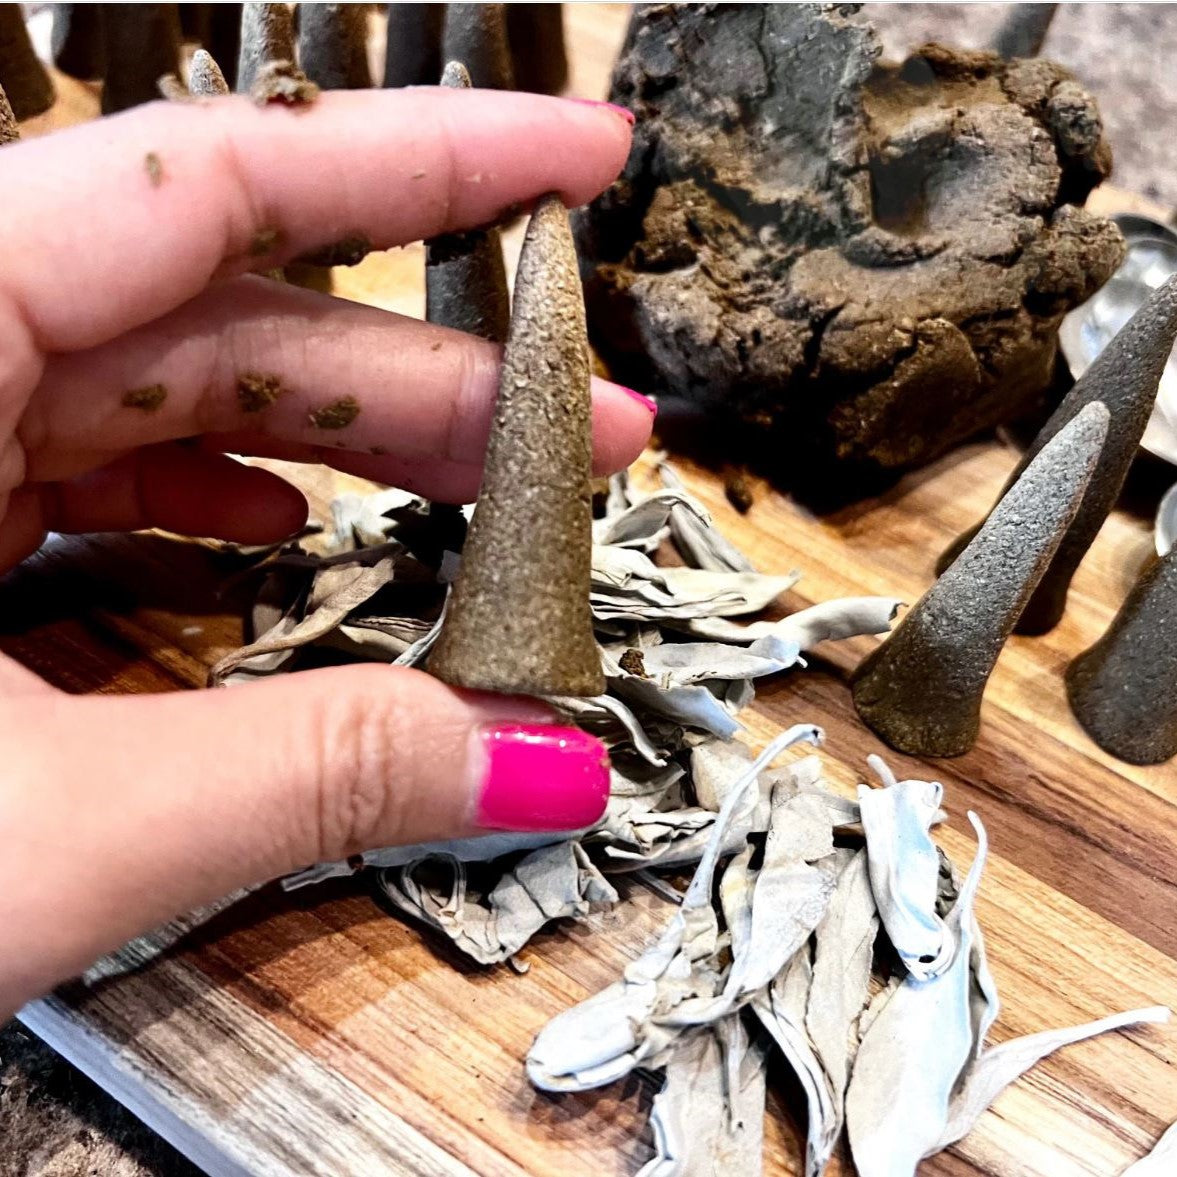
124, 811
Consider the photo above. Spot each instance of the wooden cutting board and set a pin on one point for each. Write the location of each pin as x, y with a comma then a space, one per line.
311, 1033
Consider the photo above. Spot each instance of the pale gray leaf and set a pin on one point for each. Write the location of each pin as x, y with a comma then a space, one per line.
708, 1119
1161, 1162
905, 867
913, 1053
1000, 1066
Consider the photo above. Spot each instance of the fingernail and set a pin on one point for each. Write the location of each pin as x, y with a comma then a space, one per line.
625, 114
647, 402
541, 777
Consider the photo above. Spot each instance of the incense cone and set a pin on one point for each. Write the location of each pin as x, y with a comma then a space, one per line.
921, 689
518, 619
413, 53
535, 33
9, 131
22, 75
204, 76
465, 280
267, 34
476, 35
142, 45
1124, 377
1124, 689
333, 45
1022, 32
78, 42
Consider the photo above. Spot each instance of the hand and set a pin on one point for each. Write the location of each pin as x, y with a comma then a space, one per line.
122, 274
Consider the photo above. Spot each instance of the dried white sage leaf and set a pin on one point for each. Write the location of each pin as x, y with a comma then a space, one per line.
550, 883
914, 1051
708, 1119
843, 948
905, 867
998, 1067
781, 1009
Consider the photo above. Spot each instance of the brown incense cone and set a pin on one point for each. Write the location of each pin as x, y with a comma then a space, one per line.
921, 689
142, 45
1124, 377
267, 34
518, 619
205, 79
1022, 32
476, 35
333, 45
29, 90
1124, 689
413, 53
465, 280
9, 131
535, 33
79, 43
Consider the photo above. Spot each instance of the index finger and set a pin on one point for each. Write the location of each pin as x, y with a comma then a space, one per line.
110, 224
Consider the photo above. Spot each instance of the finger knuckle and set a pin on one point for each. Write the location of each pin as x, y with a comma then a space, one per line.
357, 748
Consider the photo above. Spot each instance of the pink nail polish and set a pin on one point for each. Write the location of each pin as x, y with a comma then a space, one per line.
541, 777
628, 115
647, 402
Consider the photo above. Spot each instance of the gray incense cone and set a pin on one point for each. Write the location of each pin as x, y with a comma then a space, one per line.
476, 35
267, 34
518, 619
465, 280
142, 45
78, 42
413, 53
9, 131
920, 691
1022, 32
535, 33
205, 79
333, 45
29, 90
1124, 377
1124, 689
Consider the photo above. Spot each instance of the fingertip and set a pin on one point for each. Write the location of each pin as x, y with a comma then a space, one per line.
623, 421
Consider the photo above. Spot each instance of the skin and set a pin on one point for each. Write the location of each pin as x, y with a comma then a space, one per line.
142, 806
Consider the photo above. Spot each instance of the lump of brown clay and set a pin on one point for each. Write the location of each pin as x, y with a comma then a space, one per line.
921, 690
333, 45
22, 75
1124, 689
465, 280
476, 35
517, 620
867, 262
142, 46
78, 42
1125, 377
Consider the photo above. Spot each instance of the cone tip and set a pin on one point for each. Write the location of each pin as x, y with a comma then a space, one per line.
456, 76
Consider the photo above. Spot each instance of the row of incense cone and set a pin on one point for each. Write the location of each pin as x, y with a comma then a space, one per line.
131, 47
921, 690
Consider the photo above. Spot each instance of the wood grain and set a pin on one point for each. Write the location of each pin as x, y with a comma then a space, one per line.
312, 1033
